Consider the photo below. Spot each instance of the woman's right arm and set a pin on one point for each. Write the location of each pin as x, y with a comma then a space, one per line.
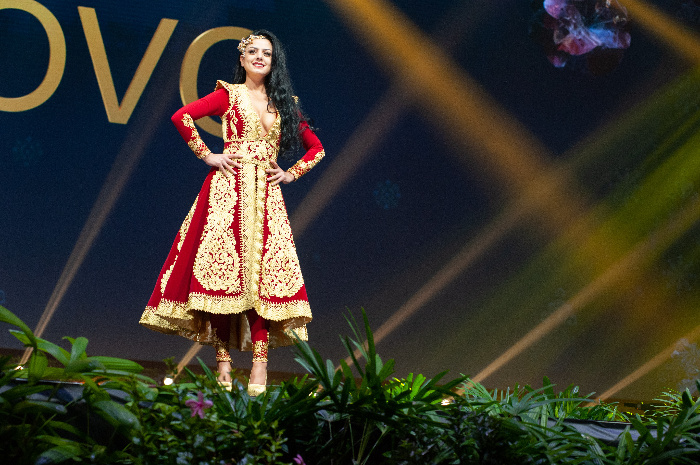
215, 103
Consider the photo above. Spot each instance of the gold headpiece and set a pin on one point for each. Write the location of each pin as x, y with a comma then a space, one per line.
244, 43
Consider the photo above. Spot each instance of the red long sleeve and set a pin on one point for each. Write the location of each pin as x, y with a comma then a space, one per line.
215, 103
314, 151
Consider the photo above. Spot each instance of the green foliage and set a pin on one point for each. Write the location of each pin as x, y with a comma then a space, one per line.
37, 426
348, 413
539, 404
671, 403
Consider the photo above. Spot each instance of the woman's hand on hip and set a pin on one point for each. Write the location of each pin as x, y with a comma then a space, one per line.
225, 162
276, 175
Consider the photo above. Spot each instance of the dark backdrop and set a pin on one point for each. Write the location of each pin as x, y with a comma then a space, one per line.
398, 221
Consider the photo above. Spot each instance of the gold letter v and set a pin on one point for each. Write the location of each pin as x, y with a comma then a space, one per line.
116, 112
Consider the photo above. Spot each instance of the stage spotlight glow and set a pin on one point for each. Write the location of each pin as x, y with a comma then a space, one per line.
463, 259
191, 353
592, 237
515, 159
624, 270
673, 33
375, 125
135, 144
643, 370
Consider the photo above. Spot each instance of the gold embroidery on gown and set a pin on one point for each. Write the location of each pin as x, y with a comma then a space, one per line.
243, 262
216, 265
281, 271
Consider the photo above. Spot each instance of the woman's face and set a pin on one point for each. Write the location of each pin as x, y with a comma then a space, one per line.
257, 58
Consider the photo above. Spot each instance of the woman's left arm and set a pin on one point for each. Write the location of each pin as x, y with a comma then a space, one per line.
314, 153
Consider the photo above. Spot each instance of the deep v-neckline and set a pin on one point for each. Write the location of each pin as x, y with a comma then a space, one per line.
259, 119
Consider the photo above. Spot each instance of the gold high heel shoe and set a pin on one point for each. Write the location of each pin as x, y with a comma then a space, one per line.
255, 390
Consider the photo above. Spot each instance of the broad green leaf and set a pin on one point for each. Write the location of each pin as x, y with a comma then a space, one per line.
55, 440
9, 317
378, 364
83, 366
687, 399
91, 385
55, 373
119, 364
57, 352
117, 414
59, 454
417, 384
21, 391
548, 387
147, 393
37, 365
387, 370
78, 348
39, 406
63, 426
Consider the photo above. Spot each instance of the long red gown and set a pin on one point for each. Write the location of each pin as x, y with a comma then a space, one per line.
234, 250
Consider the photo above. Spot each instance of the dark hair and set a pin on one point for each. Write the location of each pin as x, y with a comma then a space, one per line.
278, 86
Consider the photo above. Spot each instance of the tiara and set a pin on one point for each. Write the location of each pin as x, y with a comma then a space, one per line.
245, 42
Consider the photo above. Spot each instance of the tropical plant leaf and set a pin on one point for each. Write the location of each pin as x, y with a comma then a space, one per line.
60, 354
92, 387
21, 391
63, 426
118, 364
117, 414
78, 349
38, 363
83, 366
59, 454
9, 317
54, 373
38, 406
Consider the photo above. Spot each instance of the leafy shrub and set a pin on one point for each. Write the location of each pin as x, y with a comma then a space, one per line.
355, 414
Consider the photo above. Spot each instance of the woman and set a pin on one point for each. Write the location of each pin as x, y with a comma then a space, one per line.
232, 277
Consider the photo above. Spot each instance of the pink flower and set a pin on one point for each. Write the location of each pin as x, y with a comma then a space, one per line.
298, 460
198, 406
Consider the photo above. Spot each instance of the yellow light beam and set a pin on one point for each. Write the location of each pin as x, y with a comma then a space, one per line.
455, 101
138, 138
674, 34
509, 153
464, 258
187, 358
643, 370
618, 273
483, 124
357, 150
375, 125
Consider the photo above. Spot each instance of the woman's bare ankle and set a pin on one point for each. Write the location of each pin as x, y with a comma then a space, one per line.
258, 374
224, 369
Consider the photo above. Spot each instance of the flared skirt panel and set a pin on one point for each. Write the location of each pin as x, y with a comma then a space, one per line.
233, 252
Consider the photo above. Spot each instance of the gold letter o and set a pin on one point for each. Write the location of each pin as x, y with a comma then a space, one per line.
190, 67
57, 57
